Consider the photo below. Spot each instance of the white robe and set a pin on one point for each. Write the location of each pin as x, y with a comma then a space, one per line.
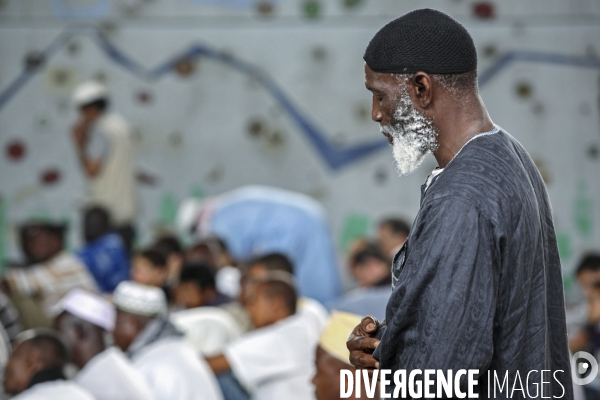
55, 390
276, 362
175, 372
111, 376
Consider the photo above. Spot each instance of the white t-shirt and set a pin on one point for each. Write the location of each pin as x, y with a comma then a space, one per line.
207, 329
276, 362
315, 314
175, 372
114, 186
55, 390
111, 376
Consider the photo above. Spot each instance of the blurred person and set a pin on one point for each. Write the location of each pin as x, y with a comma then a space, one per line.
49, 274
228, 275
196, 287
257, 220
588, 273
86, 320
391, 235
104, 253
157, 348
332, 357
478, 283
35, 369
9, 318
173, 251
370, 268
149, 267
275, 361
103, 141
200, 252
259, 268
213, 252
583, 319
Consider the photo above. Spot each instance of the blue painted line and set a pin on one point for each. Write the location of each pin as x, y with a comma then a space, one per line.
334, 157
535, 57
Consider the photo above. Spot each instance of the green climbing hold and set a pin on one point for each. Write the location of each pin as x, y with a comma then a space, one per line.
312, 8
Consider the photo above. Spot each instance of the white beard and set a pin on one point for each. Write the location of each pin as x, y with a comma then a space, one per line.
413, 135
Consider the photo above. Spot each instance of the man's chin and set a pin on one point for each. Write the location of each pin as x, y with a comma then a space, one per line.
406, 168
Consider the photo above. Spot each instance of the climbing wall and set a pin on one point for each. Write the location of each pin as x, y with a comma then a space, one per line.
224, 93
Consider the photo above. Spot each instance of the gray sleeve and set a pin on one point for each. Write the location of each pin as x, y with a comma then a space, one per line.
98, 145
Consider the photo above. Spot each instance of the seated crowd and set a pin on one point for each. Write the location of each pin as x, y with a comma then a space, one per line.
170, 322
175, 322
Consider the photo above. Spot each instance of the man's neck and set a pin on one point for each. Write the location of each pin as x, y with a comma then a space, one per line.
457, 125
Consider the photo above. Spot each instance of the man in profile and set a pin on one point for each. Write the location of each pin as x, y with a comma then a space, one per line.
478, 283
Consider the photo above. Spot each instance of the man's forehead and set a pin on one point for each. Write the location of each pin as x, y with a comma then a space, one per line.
379, 80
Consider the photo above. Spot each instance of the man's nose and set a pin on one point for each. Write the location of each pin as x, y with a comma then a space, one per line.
376, 114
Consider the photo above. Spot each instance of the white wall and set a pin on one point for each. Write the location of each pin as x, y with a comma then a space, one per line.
318, 65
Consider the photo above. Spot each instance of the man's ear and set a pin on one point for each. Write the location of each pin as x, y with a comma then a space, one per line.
422, 88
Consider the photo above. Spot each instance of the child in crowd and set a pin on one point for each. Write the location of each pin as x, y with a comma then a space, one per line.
259, 269
277, 359
196, 287
149, 268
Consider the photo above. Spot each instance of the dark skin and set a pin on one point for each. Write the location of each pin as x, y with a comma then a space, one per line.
457, 117
85, 340
327, 376
80, 133
190, 295
24, 362
41, 245
127, 327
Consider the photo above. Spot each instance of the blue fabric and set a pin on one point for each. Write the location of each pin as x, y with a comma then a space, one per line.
364, 301
231, 387
107, 260
255, 221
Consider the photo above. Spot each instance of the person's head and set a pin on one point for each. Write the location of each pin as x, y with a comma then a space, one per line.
96, 223
272, 299
137, 305
259, 268
84, 319
588, 273
34, 351
201, 252
196, 287
392, 234
149, 267
41, 241
420, 68
171, 248
91, 99
220, 252
333, 356
370, 267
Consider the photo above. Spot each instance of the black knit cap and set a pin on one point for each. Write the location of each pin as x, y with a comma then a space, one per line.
422, 40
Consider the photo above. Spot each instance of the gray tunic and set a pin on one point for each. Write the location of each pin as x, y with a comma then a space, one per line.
478, 283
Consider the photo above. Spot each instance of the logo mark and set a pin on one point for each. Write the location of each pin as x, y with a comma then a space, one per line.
579, 369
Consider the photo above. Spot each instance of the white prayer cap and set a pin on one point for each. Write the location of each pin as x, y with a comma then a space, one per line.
140, 299
89, 307
188, 215
89, 92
